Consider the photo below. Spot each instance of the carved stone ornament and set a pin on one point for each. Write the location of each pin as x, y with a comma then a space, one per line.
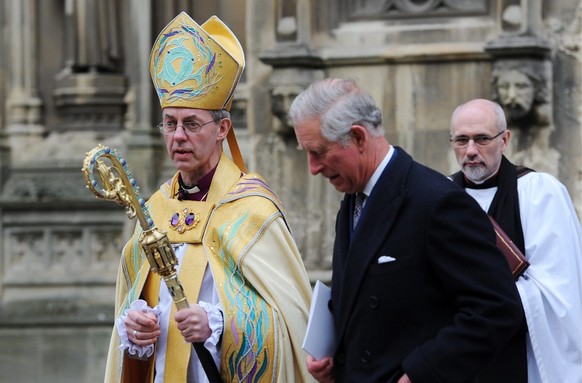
520, 86
422, 8
282, 96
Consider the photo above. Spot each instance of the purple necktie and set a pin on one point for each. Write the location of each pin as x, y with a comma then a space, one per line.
359, 204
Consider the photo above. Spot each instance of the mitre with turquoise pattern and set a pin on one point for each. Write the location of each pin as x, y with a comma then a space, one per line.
196, 66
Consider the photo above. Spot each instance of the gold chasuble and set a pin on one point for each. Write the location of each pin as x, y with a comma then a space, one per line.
220, 231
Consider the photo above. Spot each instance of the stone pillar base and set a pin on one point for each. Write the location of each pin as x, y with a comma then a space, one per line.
91, 101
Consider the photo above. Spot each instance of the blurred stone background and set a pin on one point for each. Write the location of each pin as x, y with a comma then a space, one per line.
75, 73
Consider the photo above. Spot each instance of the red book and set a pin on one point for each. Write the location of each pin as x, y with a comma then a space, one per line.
514, 256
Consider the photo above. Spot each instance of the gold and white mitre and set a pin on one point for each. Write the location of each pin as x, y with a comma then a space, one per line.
196, 66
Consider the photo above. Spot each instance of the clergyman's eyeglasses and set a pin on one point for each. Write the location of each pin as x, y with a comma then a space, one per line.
168, 128
479, 140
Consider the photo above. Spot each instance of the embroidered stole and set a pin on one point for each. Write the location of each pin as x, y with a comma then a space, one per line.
220, 237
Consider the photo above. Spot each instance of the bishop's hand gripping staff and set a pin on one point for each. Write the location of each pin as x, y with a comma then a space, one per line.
120, 186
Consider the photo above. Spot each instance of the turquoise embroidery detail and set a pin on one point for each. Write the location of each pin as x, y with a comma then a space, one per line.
196, 74
249, 361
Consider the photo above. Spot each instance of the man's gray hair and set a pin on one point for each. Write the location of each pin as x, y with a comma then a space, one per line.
218, 115
339, 104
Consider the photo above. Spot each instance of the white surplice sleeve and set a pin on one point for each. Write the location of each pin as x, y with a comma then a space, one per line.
551, 288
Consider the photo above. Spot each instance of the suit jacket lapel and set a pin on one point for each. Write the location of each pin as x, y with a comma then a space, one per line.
381, 212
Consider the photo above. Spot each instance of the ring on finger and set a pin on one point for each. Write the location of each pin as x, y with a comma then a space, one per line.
135, 334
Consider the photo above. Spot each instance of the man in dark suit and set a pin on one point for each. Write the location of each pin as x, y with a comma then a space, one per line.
420, 292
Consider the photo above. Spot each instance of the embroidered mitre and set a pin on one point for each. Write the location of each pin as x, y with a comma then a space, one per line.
196, 66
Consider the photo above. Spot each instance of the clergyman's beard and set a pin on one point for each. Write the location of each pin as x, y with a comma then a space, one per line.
475, 173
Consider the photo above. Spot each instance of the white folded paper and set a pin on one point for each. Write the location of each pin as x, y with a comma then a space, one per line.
320, 340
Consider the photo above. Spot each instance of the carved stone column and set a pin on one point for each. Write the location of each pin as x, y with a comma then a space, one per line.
522, 82
23, 104
90, 88
146, 153
89, 95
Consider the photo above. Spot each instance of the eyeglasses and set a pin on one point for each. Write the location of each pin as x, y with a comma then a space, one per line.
480, 140
168, 128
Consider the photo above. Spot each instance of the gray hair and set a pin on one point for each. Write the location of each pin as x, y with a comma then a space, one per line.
500, 121
218, 115
339, 104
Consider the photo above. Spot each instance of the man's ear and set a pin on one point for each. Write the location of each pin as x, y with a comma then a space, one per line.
360, 136
505, 138
224, 126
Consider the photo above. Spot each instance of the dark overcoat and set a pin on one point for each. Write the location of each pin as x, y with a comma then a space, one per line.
419, 286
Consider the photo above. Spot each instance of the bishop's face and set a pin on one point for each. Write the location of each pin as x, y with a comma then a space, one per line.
194, 153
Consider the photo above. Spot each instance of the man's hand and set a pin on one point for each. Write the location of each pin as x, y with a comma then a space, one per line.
193, 324
321, 370
142, 328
